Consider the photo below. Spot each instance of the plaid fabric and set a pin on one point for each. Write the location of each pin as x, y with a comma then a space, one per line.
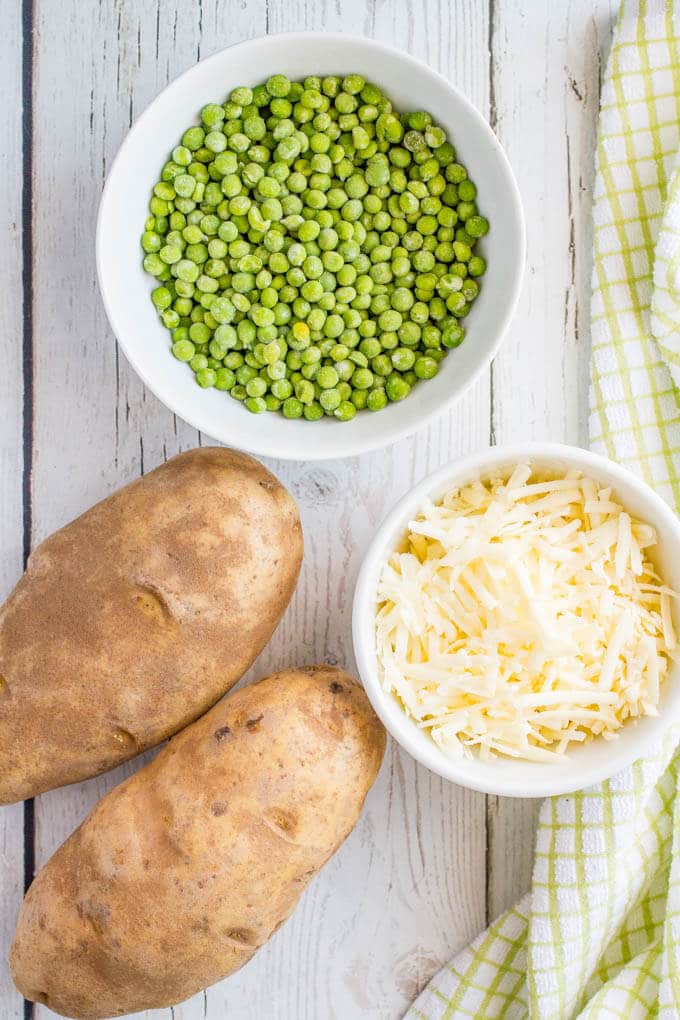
635, 411
666, 297
598, 936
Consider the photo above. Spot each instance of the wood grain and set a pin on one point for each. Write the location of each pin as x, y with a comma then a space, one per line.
12, 397
429, 862
410, 908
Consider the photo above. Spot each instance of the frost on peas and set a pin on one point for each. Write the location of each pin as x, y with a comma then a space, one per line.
313, 249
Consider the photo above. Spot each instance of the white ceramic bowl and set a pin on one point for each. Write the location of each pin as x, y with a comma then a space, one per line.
125, 287
586, 764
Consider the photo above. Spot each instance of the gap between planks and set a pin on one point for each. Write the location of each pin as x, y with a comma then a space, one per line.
27, 21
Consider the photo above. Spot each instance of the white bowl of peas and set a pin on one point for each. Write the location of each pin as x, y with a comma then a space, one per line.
309, 245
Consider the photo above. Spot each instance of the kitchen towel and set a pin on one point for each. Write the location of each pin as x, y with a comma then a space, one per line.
598, 935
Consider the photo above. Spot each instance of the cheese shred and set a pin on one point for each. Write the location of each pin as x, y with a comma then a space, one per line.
521, 614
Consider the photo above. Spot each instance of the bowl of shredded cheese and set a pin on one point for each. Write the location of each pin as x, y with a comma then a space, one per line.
515, 620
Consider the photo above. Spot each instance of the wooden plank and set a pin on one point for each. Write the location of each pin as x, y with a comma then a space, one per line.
545, 114
97, 67
15, 401
408, 887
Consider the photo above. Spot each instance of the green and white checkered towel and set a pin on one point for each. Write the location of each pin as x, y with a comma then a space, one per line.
598, 936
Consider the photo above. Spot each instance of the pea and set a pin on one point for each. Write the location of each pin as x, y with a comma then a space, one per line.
476, 226
397, 388
362, 379
292, 408
304, 391
452, 334
376, 400
205, 377
183, 350
224, 379
161, 297
403, 359
327, 377
425, 367
345, 411
314, 411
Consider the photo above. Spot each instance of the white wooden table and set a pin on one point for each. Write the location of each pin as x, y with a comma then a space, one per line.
429, 864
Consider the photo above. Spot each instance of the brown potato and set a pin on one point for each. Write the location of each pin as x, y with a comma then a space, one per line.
131, 621
181, 873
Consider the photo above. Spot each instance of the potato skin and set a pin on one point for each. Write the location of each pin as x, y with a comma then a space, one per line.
181, 873
131, 621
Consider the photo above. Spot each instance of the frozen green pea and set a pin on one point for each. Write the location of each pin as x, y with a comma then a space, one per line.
185, 185
334, 326
292, 408
381, 365
281, 389
181, 155
403, 358
314, 411
327, 377
161, 297
304, 391
455, 302
205, 377
224, 379
452, 334
198, 362
277, 371
256, 387
199, 333
397, 388
370, 347
170, 318
345, 411
169, 254
425, 367
414, 141
362, 379
192, 138
151, 241
469, 289
477, 226
183, 350
212, 115
330, 399
376, 400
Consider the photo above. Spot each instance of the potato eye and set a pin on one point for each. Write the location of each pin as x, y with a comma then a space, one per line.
152, 605
124, 740
282, 822
245, 937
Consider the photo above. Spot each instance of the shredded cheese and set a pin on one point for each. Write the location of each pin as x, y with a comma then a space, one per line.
521, 615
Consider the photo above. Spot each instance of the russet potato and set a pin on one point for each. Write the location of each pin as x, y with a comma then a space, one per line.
131, 621
182, 872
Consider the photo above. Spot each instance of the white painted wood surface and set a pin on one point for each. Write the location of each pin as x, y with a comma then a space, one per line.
11, 445
429, 863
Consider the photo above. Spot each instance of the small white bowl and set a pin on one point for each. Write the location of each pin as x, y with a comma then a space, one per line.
125, 287
587, 764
